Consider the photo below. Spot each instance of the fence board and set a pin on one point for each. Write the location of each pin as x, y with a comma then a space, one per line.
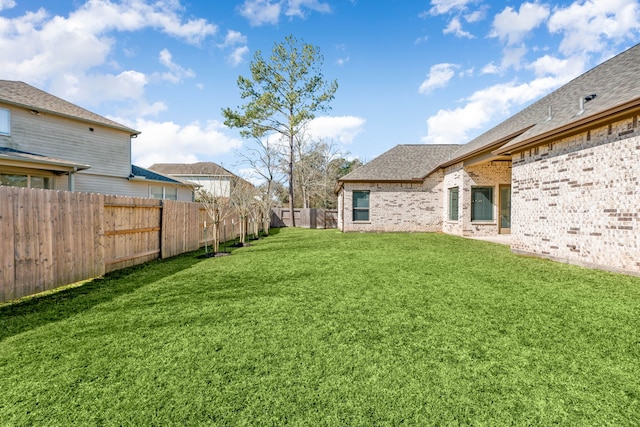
7, 255
45, 274
24, 243
131, 231
305, 218
53, 238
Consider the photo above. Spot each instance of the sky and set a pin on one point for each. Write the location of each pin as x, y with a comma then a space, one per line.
408, 71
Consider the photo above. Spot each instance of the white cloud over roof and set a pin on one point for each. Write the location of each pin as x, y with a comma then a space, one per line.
439, 76
169, 142
512, 26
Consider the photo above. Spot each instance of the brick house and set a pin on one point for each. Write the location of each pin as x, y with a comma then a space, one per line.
561, 176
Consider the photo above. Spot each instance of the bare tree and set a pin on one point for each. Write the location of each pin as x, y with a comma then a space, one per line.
244, 201
263, 158
216, 204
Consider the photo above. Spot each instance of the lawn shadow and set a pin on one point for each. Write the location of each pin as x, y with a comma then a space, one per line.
33, 312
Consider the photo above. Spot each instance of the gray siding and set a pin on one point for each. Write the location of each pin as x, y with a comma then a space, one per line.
117, 186
106, 150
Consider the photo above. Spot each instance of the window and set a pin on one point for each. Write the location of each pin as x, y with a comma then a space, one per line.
361, 206
159, 192
171, 193
156, 192
39, 182
453, 203
5, 119
25, 181
482, 204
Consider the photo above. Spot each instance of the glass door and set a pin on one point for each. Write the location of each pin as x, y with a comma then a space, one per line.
505, 209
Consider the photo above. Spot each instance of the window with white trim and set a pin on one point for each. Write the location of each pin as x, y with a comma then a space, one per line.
5, 122
165, 193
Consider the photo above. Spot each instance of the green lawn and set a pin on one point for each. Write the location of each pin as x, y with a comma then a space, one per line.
315, 327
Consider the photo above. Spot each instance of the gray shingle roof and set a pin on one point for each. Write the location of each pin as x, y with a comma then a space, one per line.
24, 95
155, 176
200, 168
403, 163
614, 82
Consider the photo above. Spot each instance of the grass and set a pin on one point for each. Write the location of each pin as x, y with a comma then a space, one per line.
315, 327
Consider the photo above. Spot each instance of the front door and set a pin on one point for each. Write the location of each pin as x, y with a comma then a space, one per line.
505, 209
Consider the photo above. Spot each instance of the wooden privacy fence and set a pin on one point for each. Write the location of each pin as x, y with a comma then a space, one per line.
54, 238
305, 218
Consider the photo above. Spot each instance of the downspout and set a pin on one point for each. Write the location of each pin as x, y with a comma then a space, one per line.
71, 180
342, 210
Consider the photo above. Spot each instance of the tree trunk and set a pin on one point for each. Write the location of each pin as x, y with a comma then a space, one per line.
216, 237
293, 217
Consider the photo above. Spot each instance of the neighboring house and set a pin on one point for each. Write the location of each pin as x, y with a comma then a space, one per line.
207, 175
561, 176
47, 142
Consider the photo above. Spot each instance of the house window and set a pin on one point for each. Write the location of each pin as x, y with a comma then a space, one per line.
361, 206
25, 181
5, 119
453, 203
39, 182
482, 204
171, 193
160, 192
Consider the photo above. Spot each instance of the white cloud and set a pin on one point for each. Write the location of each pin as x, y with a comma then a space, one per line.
261, 12
568, 68
475, 16
595, 25
64, 55
439, 76
231, 42
237, 56
97, 17
341, 128
295, 7
455, 126
176, 72
512, 26
233, 38
95, 89
7, 4
440, 7
168, 142
490, 68
455, 27
512, 57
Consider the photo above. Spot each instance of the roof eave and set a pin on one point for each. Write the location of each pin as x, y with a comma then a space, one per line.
576, 126
132, 132
385, 181
488, 148
50, 165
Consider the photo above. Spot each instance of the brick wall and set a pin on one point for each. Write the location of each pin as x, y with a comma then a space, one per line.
396, 206
489, 174
578, 199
